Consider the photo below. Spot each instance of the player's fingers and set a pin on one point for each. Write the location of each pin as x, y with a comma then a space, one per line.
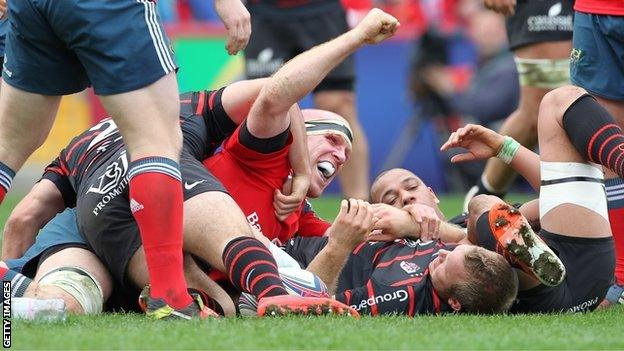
353, 207
462, 158
344, 204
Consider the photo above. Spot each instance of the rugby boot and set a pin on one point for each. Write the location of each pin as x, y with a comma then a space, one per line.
157, 308
287, 305
523, 247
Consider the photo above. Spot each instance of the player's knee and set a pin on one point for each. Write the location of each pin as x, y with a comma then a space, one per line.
480, 204
558, 100
85, 291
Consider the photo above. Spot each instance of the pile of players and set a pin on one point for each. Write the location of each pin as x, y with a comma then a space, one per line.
160, 217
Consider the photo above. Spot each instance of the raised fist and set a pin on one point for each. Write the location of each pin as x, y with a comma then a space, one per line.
377, 26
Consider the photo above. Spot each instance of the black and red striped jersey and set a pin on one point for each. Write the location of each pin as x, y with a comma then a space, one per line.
97, 161
386, 278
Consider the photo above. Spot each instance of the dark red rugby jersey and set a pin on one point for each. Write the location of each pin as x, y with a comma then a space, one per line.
251, 178
386, 278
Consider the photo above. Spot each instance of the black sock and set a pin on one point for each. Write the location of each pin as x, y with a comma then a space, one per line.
251, 268
595, 134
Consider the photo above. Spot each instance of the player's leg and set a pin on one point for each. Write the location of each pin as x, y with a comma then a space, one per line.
37, 70
598, 52
542, 58
131, 67
19, 111
574, 130
77, 276
496, 226
539, 65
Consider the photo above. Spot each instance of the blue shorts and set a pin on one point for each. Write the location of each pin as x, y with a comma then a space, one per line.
61, 230
60, 47
597, 58
4, 27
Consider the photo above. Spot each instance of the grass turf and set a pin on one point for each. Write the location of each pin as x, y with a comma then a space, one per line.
597, 330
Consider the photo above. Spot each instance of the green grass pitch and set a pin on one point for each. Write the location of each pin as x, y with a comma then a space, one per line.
597, 330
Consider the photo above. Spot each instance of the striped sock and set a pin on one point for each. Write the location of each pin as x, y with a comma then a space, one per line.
594, 133
251, 268
19, 282
6, 178
152, 180
615, 201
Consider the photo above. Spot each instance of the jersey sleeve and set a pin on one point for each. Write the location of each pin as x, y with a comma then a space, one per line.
57, 173
274, 165
205, 124
310, 224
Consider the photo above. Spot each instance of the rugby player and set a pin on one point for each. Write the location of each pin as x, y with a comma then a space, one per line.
569, 205
575, 133
204, 118
282, 30
596, 65
540, 34
57, 48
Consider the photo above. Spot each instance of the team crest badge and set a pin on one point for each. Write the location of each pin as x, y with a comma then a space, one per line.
409, 267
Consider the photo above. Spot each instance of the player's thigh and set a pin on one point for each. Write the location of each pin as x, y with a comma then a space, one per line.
148, 118
81, 258
211, 220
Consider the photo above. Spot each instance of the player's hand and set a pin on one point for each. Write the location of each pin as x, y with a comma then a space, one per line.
291, 196
504, 7
377, 26
352, 225
237, 21
480, 142
427, 219
392, 223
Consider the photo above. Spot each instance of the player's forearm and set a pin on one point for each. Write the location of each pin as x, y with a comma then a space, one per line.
450, 233
298, 154
38, 207
328, 264
304, 72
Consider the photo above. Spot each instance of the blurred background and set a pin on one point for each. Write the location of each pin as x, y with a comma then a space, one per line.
448, 65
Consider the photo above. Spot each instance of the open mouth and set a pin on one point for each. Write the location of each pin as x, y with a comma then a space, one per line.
326, 169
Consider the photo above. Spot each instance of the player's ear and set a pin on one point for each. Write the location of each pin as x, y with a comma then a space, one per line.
455, 304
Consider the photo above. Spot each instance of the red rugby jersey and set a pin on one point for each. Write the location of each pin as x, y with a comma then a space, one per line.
251, 178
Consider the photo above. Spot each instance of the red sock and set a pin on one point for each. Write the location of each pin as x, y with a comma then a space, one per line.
615, 200
2, 194
156, 203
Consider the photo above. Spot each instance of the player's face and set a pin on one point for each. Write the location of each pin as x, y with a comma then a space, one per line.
328, 153
448, 269
400, 187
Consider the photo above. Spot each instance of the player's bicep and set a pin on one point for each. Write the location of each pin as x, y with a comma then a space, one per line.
237, 98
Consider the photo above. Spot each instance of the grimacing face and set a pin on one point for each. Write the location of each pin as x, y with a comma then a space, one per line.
399, 187
328, 153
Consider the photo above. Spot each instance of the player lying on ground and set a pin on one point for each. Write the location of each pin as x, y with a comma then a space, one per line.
108, 183
574, 134
567, 187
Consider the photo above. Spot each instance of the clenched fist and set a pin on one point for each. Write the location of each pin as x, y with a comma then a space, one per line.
377, 26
